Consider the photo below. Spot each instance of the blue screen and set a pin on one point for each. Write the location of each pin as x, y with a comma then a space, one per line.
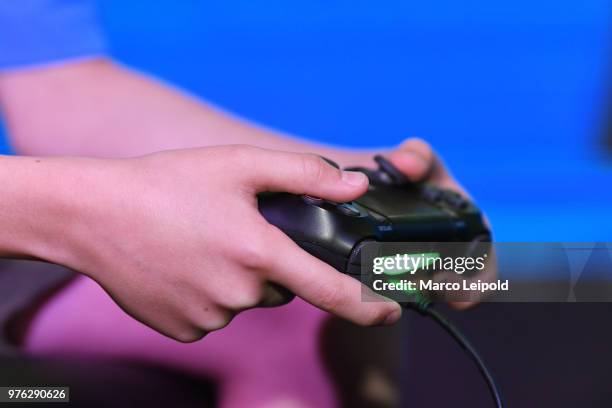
513, 95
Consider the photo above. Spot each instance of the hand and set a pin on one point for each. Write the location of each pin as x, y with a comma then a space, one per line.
178, 242
416, 159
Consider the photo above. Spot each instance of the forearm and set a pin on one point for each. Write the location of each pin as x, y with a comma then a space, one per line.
97, 108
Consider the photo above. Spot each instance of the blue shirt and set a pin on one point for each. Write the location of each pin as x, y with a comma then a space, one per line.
41, 31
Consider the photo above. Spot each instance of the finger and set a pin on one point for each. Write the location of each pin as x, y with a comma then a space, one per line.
275, 295
416, 159
488, 274
300, 173
209, 317
326, 288
419, 147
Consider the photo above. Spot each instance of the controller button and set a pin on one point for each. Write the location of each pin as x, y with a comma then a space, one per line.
312, 200
455, 200
349, 209
432, 194
389, 174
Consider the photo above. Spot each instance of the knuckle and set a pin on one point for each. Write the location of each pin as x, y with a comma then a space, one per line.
241, 155
314, 168
245, 296
331, 299
421, 147
254, 255
216, 321
188, 335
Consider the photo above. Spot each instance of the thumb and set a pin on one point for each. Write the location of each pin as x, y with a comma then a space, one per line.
300, 173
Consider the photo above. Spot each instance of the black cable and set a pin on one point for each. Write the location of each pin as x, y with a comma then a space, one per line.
465, 345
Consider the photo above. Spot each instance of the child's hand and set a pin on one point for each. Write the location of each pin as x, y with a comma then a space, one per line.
177, 240
416, 159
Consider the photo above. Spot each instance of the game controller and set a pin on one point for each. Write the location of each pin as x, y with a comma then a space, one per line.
393, 209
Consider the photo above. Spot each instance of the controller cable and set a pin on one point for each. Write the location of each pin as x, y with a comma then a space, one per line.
424, 308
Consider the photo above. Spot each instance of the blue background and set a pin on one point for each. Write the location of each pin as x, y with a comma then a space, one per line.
512, 94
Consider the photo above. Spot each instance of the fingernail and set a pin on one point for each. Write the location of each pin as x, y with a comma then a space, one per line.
415, 156
393, 317
354, 178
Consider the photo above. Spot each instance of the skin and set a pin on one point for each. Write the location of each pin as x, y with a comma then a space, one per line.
98, 189
122, 234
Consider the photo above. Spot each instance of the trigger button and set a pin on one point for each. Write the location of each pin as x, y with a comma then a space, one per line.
455, 200
349, 209
432, 194
390, 173
312, 200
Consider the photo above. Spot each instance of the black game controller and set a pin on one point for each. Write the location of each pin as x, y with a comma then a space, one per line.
394, 209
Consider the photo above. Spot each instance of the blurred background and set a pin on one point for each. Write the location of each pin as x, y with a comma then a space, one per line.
516, 96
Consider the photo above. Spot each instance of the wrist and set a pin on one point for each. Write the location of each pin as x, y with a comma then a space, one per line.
40, 207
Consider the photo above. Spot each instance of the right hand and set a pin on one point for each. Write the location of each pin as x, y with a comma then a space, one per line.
177, 240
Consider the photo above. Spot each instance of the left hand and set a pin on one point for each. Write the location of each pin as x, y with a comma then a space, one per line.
417, 160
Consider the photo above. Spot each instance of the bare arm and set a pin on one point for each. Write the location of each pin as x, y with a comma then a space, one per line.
147, 230
98, 108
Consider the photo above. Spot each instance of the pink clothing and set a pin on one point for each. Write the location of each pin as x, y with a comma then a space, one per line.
264, 356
